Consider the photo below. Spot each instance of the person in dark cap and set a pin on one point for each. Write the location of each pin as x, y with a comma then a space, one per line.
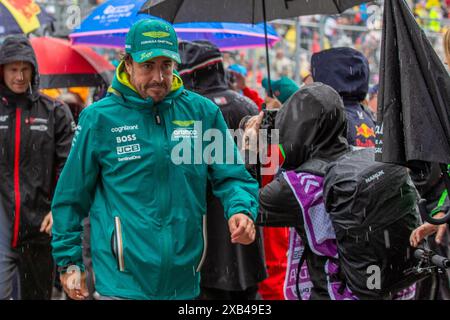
35, 139
229, 271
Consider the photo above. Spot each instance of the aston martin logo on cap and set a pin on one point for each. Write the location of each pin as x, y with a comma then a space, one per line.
156, 34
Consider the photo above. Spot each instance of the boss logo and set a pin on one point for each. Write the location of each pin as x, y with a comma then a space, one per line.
127, 138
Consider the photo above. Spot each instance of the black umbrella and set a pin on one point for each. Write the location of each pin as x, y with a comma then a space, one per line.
414, 99
245, 11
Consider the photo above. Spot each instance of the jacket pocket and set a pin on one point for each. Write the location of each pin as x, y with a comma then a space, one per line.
117, 244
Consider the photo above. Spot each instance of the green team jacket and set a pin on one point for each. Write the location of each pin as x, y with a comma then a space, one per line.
146, 211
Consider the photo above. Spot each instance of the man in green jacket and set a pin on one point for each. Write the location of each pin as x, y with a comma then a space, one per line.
139, 165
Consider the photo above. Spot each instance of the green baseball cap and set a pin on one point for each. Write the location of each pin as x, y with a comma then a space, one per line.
283, 88
151, 38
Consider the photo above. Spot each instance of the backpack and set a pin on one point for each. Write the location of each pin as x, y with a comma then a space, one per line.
373, 210
363, 238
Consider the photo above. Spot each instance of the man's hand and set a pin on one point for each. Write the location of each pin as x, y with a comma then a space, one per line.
272, 103
251, 131
242, 229
254, 123
427, 229
74, 284
47, 223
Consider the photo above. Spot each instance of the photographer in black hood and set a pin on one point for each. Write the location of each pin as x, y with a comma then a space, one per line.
35, 139
230, 271
312, 125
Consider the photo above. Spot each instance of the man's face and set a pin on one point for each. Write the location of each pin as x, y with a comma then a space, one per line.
373, 103
308, 79
152, 78
17, 76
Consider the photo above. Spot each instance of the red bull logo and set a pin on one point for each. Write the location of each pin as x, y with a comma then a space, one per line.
365, 131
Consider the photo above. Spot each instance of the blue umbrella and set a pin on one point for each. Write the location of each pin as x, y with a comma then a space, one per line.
9, 25
109, 23
227, 35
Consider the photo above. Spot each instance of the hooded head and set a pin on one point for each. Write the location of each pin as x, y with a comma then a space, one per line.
312, 125
18, 48
345, 70
201, 67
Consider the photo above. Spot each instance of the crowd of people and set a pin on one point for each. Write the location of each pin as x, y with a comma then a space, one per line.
160, 189
359, 28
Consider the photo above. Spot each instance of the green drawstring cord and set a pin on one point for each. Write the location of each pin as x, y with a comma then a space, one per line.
440, 203
282, 151
441, 199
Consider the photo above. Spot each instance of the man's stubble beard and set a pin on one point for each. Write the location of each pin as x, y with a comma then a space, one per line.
143, 93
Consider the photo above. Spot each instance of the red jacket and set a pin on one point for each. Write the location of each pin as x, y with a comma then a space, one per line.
276, 242
254, 96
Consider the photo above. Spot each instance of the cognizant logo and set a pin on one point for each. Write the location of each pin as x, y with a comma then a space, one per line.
125, 128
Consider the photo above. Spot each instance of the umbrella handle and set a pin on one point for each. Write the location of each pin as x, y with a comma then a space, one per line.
269, 83
427, 218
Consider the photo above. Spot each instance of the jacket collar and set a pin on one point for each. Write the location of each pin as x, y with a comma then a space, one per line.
13, 100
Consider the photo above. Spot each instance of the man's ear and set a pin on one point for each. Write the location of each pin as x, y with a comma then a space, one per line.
128, 66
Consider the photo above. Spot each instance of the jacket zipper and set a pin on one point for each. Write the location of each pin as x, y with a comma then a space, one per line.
17, 177
166, 237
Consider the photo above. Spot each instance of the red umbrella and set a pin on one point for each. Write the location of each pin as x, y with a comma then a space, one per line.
62, 65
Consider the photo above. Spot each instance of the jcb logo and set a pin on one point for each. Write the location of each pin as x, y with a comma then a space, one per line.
127, 138
132, 148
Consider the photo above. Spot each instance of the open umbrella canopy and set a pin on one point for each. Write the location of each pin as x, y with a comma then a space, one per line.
21, 17
227, 35
109, 23
62, 65
245, 11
